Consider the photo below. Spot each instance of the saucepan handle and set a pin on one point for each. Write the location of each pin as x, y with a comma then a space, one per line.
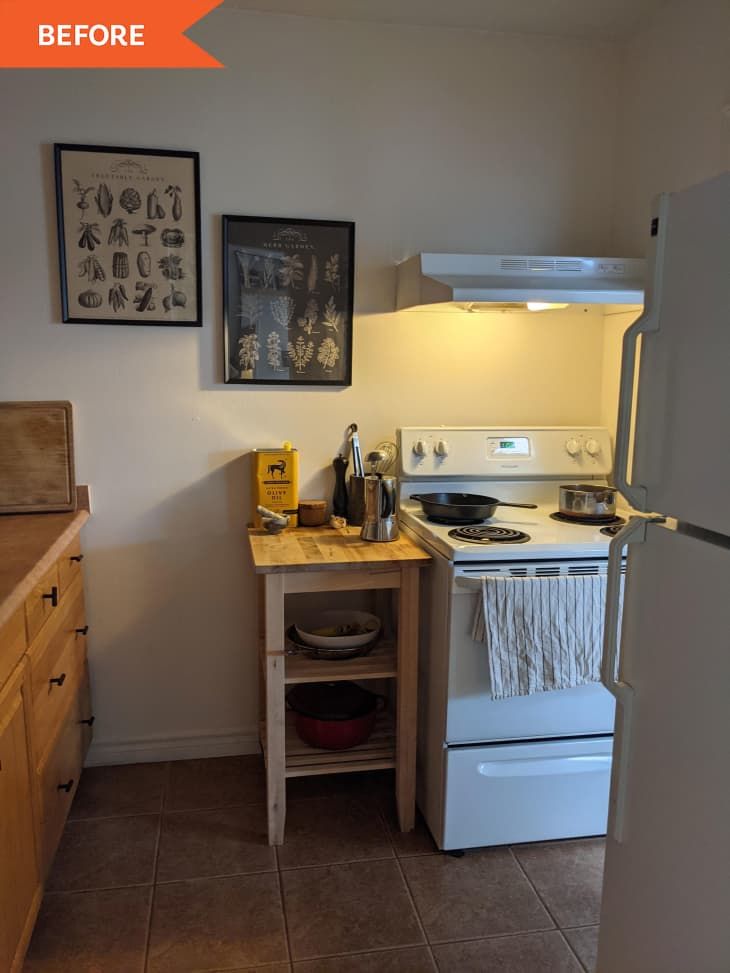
527, 506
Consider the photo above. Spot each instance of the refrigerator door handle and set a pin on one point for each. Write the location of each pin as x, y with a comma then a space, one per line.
634, 532
635, 493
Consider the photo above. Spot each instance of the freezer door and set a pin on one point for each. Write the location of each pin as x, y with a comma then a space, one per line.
666, 896
681, 447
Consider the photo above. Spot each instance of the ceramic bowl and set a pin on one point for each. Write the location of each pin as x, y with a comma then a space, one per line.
331, 629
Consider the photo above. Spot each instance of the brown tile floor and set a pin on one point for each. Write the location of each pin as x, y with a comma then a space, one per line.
165, 868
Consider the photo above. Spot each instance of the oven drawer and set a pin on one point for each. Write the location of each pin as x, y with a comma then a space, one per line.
526, 792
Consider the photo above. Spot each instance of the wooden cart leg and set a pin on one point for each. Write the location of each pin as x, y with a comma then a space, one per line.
407, 698
275, 743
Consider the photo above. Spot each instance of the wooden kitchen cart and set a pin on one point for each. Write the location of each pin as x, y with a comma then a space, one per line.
322, 559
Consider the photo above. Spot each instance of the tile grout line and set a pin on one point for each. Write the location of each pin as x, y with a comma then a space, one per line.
419, 920
409, 893
546, 908
165, 783
280, 886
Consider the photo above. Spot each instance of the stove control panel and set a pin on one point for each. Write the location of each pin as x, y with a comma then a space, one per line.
494, 451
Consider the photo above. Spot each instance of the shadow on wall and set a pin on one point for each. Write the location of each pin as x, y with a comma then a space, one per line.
173, 619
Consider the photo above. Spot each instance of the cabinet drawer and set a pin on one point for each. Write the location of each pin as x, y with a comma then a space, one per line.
69, 566
12, 643
56, 674
41, 602
59, 779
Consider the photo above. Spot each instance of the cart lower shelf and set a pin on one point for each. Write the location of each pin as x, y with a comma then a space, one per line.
377, 753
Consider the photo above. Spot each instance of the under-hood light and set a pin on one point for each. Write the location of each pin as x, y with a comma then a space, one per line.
542, 306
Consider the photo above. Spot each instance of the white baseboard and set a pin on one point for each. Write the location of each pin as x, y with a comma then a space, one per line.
183, 747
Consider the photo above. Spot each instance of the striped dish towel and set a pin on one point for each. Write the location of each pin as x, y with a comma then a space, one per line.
541, 633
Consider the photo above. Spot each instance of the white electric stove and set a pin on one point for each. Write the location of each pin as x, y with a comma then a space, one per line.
529, 768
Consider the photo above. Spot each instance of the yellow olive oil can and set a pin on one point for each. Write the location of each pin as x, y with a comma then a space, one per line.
276, 481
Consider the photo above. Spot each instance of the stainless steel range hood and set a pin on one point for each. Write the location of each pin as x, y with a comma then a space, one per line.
447, 281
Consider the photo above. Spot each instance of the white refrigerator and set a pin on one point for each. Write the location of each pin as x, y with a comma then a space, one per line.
666, 894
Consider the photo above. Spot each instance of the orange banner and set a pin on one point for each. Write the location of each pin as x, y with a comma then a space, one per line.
102, 34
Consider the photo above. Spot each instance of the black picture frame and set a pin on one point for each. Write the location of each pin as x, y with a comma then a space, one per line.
288, 287
163, 187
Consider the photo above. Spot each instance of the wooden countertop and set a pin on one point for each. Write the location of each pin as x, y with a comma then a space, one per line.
29, 546
326, 549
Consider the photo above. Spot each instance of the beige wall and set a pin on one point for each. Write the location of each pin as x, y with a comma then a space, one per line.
674, 111
674, 130
427, 138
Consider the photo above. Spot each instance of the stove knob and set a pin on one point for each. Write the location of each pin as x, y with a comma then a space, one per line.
592, 447
420, 447
572, 446
441, 448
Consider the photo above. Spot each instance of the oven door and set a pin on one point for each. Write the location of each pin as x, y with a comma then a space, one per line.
474, 717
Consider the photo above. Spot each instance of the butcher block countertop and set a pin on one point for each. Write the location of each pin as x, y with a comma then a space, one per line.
30, 544
327, 549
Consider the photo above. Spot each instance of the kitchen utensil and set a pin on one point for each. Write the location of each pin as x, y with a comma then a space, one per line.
381, 522
587, 500
375, 459
333, 715
312, 513
357, 467
462, 506
295, 646
391, 455
339, 628
36, 457
271, 521
356, 501
339, 497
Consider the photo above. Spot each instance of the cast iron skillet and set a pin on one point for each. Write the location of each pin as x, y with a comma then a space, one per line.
462, 506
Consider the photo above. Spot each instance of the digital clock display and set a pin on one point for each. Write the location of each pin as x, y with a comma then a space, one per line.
518, 446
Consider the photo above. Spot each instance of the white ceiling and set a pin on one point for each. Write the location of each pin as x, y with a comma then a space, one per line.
598, 19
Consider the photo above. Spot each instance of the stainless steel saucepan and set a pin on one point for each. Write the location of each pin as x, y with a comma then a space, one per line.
587, 500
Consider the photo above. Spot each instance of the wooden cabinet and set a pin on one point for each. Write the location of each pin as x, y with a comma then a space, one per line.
20, 884
45, 709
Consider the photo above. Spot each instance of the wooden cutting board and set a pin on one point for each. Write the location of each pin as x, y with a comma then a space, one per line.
36, 457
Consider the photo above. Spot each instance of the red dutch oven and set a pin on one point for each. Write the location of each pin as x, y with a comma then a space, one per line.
333, 715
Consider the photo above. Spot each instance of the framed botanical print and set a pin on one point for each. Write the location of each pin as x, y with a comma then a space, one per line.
287, 300
128, 235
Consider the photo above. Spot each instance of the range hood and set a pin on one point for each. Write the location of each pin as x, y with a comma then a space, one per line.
447, 281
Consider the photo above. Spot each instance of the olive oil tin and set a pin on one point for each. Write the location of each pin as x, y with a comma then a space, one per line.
276, 482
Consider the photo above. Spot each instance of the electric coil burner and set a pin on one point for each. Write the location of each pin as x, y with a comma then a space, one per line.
489, 535
589, 521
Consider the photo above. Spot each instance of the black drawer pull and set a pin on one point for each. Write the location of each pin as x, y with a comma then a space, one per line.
82, 631
89, 722
77, 557
52, 596
67, 786
58, 680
